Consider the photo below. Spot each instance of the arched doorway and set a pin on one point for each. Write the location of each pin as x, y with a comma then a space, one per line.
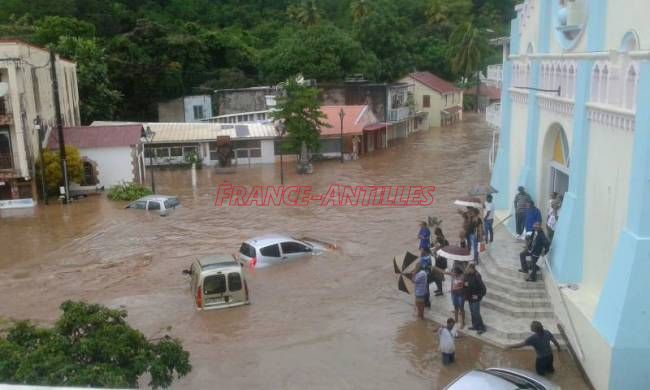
556, 161
90, 172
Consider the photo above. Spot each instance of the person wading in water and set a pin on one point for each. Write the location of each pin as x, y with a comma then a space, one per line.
541, 341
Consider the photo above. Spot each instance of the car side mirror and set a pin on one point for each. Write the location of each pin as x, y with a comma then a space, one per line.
187, 272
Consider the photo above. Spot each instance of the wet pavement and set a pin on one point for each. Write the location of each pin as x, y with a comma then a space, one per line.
334, 321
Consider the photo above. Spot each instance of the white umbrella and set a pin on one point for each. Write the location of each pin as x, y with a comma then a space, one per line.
469, 201
456, 253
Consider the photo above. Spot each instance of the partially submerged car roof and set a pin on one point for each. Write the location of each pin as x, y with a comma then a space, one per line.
217, 261
272, 238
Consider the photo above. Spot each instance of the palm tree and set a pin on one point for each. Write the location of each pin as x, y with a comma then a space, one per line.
359, 9
466, 48
306, 13
437, 13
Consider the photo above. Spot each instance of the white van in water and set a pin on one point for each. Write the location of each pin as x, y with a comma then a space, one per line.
217, 282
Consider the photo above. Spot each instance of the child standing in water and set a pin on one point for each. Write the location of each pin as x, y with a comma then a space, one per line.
446, 336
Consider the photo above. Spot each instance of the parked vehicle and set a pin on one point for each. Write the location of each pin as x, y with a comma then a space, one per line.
161, 203
217, 282
501, 379
272, 249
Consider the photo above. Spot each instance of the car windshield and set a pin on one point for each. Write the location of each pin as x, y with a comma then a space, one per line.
519, 381
247, 250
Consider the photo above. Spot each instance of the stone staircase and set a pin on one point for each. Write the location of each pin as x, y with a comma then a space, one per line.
511, 303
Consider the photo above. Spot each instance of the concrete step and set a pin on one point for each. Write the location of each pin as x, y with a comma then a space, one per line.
502, 330
510, 269
517, 311
519, 301
489, 273
505, 288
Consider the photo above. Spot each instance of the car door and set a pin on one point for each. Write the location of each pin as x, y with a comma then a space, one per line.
138, 204
292, 250
270, 254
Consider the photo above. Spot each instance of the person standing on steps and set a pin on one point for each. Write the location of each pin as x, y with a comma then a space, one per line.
474, 292
541, 341
424, 235
458, 295
537, 246
522, 199
488, 219
441, 262
551, 221
533, 216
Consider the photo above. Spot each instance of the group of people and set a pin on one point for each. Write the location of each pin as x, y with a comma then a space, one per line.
529, 226
466, 285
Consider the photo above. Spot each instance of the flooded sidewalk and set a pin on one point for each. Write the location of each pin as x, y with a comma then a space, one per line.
334, 321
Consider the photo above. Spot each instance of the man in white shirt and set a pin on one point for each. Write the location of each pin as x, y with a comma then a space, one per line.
446, 335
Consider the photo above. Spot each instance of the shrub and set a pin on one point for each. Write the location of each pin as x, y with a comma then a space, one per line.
128, 192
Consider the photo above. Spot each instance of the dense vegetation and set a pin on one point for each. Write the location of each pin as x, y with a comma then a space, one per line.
128, 192
90, 345
133, 54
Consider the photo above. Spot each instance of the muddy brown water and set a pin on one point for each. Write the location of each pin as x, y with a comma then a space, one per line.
332, 322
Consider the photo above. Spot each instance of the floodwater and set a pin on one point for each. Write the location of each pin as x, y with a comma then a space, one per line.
335, 321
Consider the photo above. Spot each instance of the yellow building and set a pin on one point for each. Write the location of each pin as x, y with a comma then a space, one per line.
440, 99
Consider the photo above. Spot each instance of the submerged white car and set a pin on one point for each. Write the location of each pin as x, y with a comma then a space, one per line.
501, 379
273, 249
217, 282
160, 203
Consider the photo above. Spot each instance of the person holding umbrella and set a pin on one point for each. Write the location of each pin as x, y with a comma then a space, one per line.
426, 264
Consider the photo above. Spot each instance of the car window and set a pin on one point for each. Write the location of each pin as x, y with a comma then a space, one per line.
171, 203
153, 205
214, 284
234, 281
271, 251
140, 204
247, 250
294, 247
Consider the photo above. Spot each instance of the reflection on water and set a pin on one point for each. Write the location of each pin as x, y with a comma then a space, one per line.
333, 321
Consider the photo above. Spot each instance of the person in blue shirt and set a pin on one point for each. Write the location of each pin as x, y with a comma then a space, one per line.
424, 236
533, 216
426, 264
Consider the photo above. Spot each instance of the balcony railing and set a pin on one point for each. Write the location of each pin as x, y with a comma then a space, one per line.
6, 162
493, 115
495, 73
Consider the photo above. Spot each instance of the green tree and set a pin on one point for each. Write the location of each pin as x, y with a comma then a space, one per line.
298, 108
468, 47
52, 28
323, 52
359, 9
53, 175
305, 13
98, 99
89, 345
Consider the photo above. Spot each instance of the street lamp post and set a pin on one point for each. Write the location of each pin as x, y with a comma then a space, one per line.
148, 135
341, 115
279, 127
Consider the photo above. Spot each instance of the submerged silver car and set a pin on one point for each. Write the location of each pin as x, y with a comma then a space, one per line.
217, 282
273, 249
501, 379
160, 203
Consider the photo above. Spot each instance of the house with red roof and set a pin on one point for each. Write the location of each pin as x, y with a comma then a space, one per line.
441, 100
356, 124
111, 154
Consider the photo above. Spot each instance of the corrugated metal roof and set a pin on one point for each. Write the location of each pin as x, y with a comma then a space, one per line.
193, 132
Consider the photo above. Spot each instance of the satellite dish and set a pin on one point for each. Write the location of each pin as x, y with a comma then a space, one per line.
4, 88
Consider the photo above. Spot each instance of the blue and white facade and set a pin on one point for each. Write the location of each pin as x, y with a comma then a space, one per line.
591, 141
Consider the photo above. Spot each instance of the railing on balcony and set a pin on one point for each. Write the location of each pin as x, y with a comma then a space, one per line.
493, 115
495, 74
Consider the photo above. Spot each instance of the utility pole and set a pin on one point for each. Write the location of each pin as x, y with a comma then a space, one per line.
59, 125
39, 128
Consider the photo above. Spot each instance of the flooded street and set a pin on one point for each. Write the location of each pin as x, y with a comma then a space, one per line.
335, 321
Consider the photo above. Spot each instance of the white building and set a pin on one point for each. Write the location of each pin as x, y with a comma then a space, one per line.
29, 98
111, 155
186, 109
575, 120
